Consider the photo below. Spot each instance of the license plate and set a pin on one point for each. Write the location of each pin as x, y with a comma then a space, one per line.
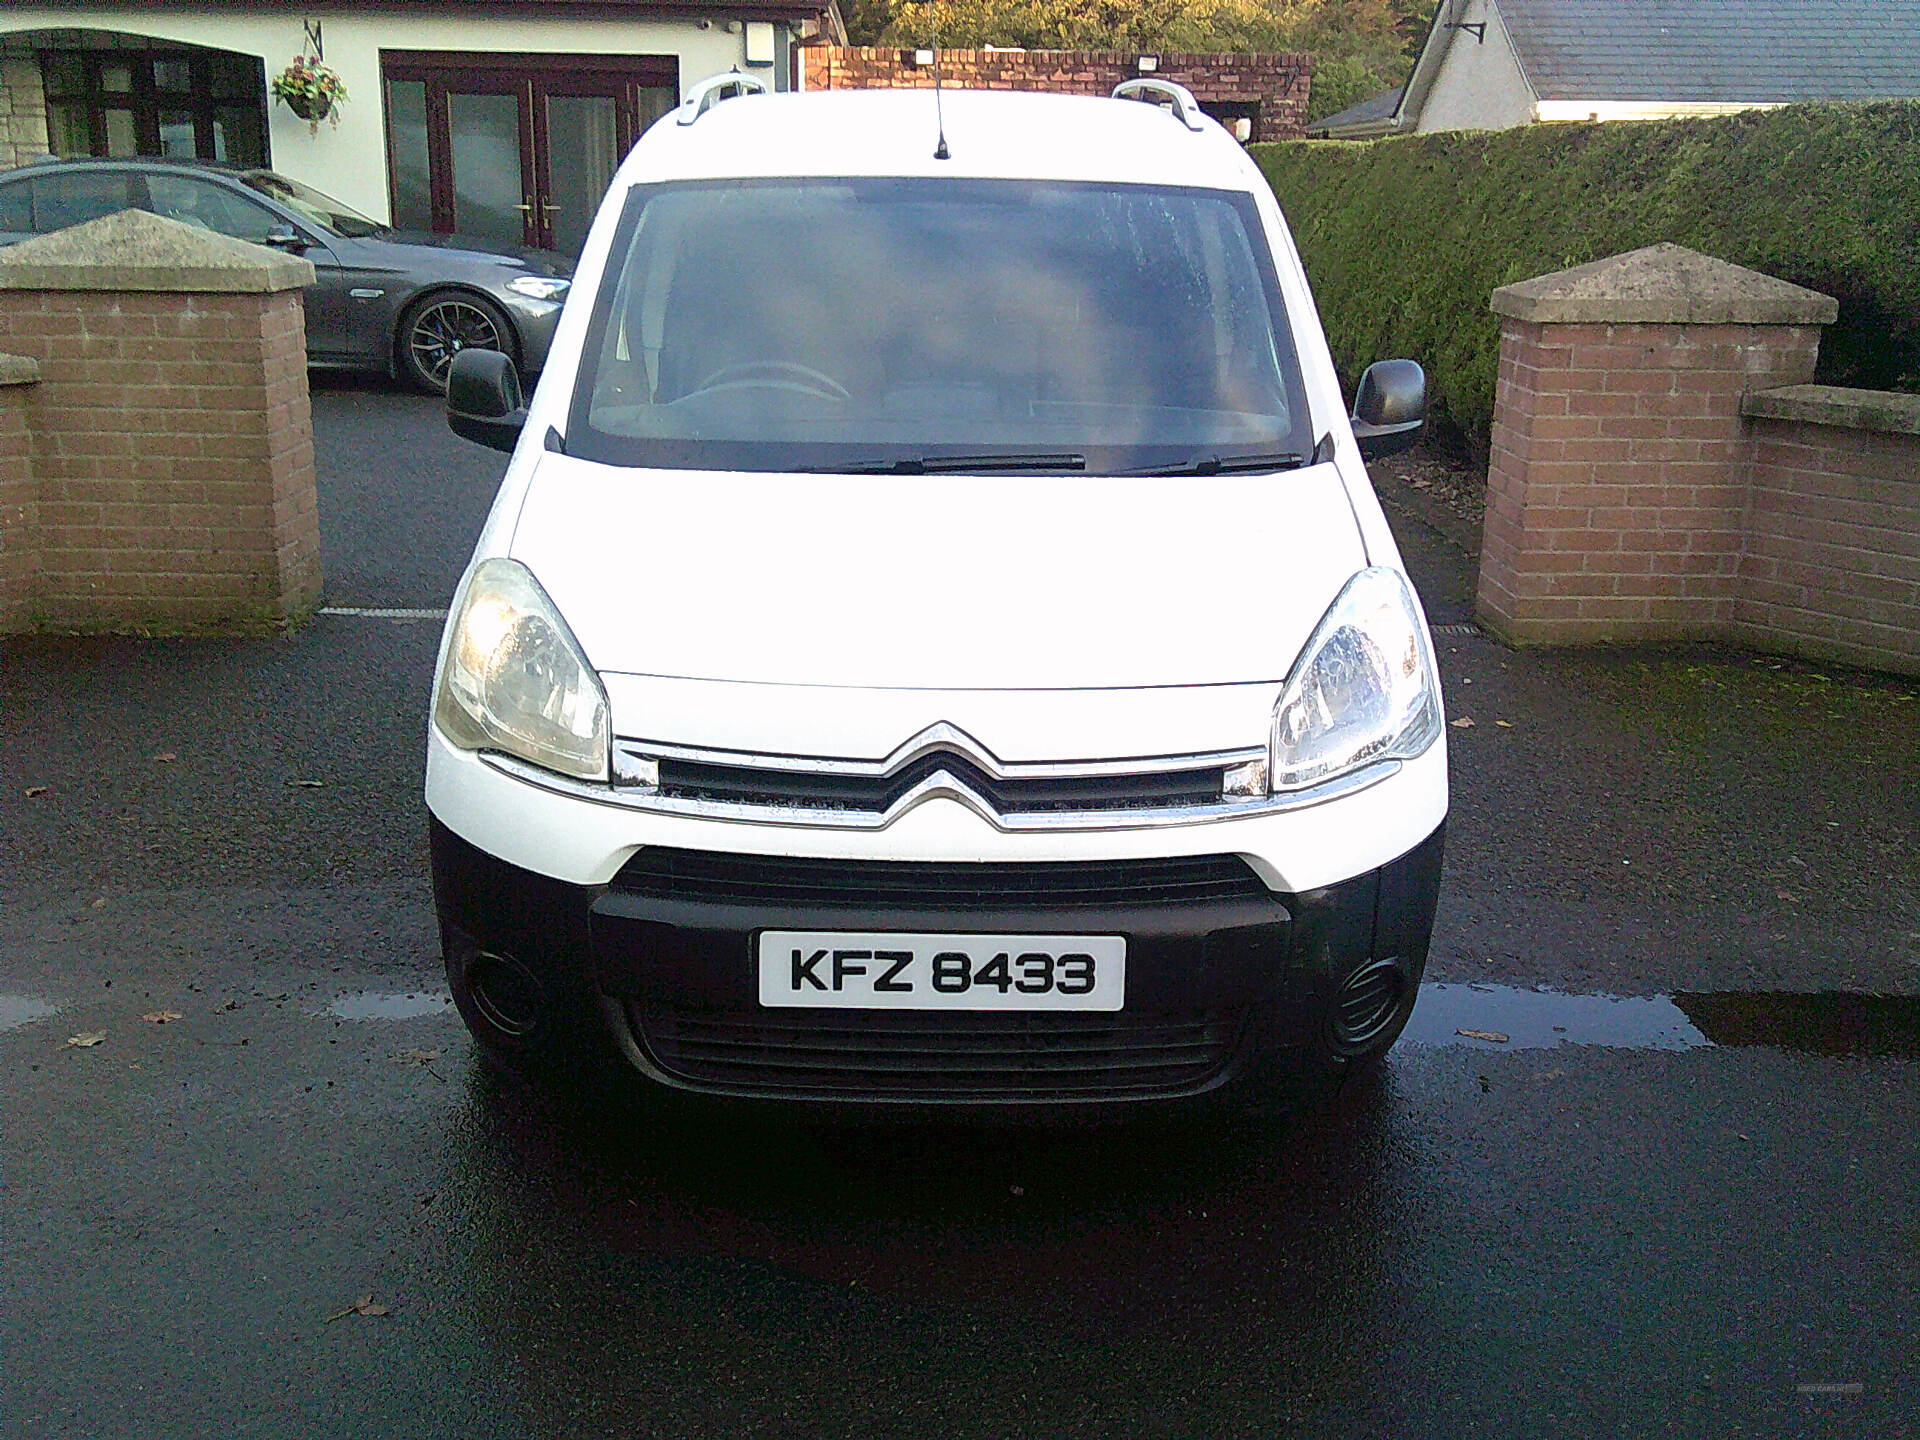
841, 971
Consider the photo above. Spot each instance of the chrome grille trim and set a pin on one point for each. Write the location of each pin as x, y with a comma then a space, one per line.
940, 785
934, 738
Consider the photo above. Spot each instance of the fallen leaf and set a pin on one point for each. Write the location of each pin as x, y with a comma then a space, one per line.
99, 904
1465, 722
1783, 895
1017, 1189
165, 756
418, 1057
86, 1039
1494, 1035
307, 784
231, 1005
1550, 1075
363, 1306
162, 1017
33, 790
1504, 724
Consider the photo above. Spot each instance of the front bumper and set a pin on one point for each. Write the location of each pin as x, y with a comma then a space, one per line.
534, 323
1225, 977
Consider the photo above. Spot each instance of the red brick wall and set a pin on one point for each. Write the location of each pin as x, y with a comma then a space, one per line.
1832, 563
1617, 492
19, 510
172, 449
1278, 84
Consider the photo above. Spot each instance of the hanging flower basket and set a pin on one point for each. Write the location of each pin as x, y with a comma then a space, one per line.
311, 90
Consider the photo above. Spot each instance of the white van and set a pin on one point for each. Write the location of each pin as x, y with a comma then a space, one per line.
936, 642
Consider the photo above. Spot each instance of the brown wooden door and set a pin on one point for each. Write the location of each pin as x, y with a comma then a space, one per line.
508, 152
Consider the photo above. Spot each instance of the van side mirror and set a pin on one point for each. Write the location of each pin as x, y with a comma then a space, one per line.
484, 401
1389, 408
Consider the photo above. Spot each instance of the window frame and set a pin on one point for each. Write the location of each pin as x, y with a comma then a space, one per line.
146, 100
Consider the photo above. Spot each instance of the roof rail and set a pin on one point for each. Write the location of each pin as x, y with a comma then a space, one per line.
1164, 93
712, 90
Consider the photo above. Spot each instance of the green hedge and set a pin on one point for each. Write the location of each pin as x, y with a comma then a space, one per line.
1404, 240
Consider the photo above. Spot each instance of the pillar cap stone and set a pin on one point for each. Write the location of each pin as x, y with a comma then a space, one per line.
1662, 285
139, 251
1882, 410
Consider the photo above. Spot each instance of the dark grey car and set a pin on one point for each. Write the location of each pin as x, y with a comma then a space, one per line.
401, 301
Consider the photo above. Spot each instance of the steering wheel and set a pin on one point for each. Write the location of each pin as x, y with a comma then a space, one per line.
772, 374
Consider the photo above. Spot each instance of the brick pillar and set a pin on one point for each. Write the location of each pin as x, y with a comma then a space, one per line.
171, 441
19, 501
1617, 489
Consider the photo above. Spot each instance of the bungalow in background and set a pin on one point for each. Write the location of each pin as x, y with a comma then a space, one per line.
1495, 64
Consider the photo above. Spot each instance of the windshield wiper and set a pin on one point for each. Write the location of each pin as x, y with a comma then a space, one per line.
1227, 464
951, 464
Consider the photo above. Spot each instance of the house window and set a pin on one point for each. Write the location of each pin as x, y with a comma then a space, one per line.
185, 104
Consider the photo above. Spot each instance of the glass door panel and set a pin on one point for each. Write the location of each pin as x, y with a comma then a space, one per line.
489, 186
409, 155
650, 103
582, 152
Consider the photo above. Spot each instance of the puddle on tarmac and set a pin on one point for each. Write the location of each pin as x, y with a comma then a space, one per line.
1542, 1019
1833, 1024
383, 1005
18, 1010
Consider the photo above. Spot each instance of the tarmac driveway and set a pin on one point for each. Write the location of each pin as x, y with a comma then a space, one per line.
1691, 1211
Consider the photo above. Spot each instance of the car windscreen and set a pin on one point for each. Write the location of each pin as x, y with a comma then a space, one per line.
825, 324
310, 204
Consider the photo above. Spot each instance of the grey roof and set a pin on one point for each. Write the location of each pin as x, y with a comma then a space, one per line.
1371, 110
1716, 50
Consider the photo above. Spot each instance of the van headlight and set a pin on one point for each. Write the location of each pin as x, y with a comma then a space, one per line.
516, 680
1364, 689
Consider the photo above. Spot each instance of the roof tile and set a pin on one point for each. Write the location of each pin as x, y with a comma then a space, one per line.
1732, 51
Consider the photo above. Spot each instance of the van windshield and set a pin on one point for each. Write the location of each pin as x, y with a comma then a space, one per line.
893, 323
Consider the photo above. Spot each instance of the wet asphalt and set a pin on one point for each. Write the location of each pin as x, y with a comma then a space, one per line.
1693, 1211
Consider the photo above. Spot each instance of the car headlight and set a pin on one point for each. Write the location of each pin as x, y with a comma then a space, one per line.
539, 287
1364, 689
516, 680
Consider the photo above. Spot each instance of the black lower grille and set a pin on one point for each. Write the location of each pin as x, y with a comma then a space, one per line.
758, 879
946, 1057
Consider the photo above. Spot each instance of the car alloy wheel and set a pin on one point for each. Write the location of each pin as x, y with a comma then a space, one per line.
443, 325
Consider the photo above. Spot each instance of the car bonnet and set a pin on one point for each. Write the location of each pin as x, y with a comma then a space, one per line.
939, 582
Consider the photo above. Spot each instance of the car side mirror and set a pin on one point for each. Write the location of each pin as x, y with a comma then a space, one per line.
1389, 408
285, 237
485, 403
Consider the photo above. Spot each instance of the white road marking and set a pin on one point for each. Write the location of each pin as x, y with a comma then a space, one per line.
362, 613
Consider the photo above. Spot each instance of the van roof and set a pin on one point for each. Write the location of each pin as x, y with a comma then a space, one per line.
990, 134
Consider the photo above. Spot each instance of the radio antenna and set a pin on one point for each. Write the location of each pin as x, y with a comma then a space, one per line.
939, 115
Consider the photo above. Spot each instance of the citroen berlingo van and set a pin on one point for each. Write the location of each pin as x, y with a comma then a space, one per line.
935, 643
